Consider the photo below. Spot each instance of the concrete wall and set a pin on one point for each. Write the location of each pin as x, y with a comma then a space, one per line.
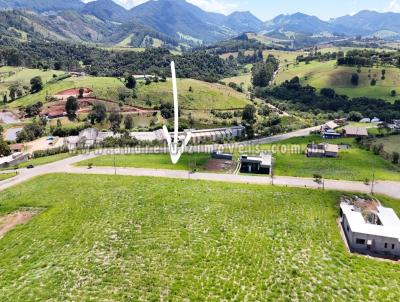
378, 242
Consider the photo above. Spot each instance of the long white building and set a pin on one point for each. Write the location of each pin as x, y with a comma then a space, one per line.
375, 230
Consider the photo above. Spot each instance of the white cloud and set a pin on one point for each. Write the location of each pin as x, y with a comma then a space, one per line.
394, 6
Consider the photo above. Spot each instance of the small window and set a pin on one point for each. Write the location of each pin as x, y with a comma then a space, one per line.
393, 245
360, 241
385, 245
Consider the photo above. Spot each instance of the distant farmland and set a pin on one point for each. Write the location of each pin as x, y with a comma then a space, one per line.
327, 74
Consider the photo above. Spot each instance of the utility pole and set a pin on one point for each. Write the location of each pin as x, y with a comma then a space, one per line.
115, 166
373, 182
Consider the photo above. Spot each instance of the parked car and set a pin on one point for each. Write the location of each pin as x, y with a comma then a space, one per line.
30, 167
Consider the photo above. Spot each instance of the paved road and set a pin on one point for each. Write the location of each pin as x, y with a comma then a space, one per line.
388, 188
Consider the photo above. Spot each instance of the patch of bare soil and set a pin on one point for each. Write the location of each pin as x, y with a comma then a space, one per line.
219, 165
10, 221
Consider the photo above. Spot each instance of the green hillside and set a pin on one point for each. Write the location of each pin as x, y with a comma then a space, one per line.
203, 95
22, 76
327, 74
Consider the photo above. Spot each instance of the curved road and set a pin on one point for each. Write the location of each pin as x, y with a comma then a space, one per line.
391, 189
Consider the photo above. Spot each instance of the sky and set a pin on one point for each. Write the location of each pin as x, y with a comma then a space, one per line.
268, 9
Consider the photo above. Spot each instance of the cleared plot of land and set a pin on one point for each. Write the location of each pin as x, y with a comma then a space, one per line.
152, 161
390, 143
141, 239
244, 80
103, 88
353, 164
22, 76
203, 95
327, 74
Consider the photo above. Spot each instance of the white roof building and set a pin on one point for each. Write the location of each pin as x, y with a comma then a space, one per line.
380, 233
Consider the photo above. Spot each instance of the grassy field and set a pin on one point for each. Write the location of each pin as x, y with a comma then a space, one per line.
4, 176
103, 87
390, 143
42, 160
327, 74
151, 161
107, 238
353, 164
22, 76
203, 96
244, 79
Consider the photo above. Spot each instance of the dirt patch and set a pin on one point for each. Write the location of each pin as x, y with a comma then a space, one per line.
10, 221
74, 92
220, 165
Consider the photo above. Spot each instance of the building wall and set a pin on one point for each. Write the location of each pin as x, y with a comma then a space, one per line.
378, 242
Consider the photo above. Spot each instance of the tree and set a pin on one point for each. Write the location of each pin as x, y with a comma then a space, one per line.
5, 99
130, 82
373, 82
249, 114
59, 124
81, 92
71, 107
393, 93
354, 79
328, 92
395, 157
115, 119
262, 74
128, 122
1, 130
4, 148
36, 84
13, 92
383, 74
98, 114
354, 116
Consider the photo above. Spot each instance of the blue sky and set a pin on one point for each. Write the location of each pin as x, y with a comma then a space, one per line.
267, 9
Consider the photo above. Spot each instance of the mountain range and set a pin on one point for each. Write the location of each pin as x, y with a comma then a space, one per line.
176, 23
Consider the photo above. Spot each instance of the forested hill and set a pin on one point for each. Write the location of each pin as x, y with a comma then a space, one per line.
99, 62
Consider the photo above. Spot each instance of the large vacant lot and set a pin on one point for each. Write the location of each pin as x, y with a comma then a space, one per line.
108, 238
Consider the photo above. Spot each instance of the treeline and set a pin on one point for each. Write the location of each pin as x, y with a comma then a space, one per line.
66, 56
237, 44
369, 58
306, 98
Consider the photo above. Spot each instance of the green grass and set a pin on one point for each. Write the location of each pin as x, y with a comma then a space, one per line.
244, 79
390, 143
327, 74
204, 95
103, 87
114, 238
353, 164
4, 176
150, 161
42, 160
23, 76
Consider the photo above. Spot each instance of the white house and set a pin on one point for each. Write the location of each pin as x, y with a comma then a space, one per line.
371, 230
